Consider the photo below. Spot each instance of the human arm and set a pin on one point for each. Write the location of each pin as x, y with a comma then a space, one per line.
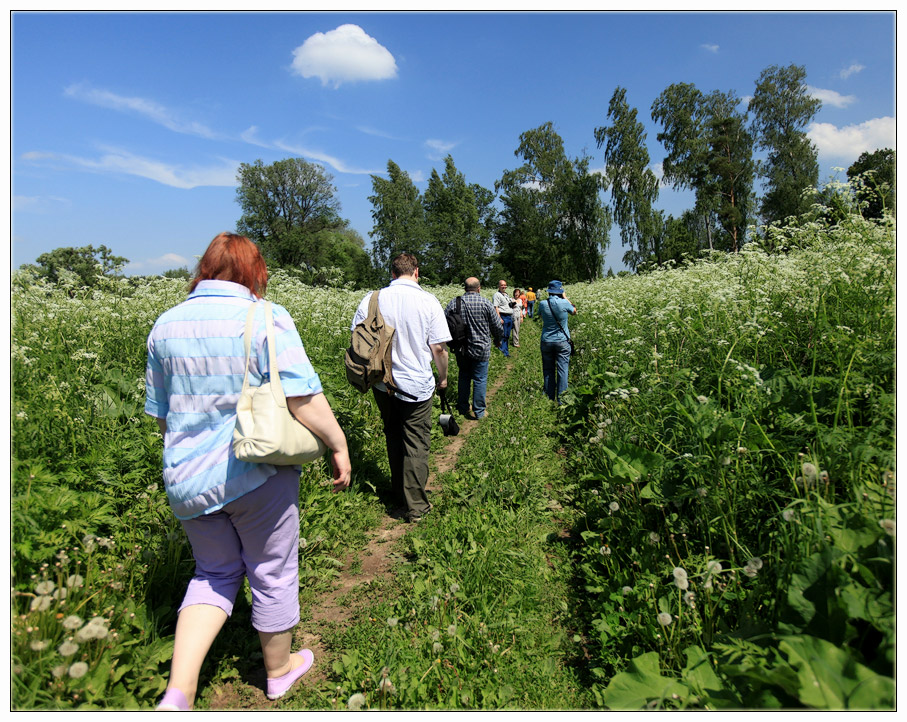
314, 412
440, 356
162, 425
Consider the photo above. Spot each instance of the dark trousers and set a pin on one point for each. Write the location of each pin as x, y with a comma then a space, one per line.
407, 433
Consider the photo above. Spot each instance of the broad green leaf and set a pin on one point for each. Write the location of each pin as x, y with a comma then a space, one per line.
642, 682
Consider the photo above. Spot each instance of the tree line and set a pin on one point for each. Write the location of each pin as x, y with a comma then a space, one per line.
552, 218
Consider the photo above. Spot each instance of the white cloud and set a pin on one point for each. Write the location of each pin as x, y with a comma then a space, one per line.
831, 97
337, 164
345, 55
120, 161
852, 70
848, 142
38, 204
167, 262
439, 148
142, 106
711, 47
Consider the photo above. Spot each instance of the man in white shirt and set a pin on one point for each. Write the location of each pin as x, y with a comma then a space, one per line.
420, 334
502, 304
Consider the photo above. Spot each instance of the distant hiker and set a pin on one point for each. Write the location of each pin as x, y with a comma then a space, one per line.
472, 363
504, 305
517, 316
556, 343
420, 334
241, 518
530, 301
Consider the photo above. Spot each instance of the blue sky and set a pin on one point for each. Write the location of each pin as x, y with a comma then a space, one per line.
127, 128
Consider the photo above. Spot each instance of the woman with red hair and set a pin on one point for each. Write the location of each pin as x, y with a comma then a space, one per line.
242, 519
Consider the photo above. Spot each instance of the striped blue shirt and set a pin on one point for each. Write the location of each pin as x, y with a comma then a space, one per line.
194, 375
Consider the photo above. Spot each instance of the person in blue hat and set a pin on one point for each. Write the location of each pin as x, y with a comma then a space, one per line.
556, 343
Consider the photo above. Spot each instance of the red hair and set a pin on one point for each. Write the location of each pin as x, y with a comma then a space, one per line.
231, 257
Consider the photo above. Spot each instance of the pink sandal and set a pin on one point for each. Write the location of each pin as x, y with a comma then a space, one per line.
279, 686
173, 701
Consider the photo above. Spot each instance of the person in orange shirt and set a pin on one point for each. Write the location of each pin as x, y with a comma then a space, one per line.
530, 300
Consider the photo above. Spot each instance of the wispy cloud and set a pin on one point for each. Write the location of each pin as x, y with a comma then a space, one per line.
849, 142
852, 70
167, 262
114, 160
368, 130
711, 47
344, 55
39, 204
144, 107
831, 97
336, 163
438, 149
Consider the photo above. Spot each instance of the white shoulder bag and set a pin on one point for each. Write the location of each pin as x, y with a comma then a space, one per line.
266, 432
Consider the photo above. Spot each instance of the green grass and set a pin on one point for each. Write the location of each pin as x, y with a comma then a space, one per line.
710, 513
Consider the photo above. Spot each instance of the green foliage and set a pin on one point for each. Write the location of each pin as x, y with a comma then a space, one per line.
782, 108
458, 240
633, 185
77, 267
708, 522
734, 432
554, 223
289, 209
873, 175
399, 218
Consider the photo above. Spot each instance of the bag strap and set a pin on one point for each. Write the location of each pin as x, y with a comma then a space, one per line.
551, 308
373, 310
273, 371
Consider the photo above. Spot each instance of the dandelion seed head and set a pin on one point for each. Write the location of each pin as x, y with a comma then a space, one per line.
664, 619
392, 622
605, 550
614, 506
626, 590
888, 525
37, 645
74, 580
78, 670
437, 648
73, 621
40, 604
788, 514
702, 399
46, 587
356, 701
810, 473
67, 649
452, 630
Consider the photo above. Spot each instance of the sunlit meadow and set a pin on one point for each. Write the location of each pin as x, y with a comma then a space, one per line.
708, 521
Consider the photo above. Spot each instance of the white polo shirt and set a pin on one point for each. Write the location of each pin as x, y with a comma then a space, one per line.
418, 320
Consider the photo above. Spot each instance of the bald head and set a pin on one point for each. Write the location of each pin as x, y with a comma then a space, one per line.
472, 284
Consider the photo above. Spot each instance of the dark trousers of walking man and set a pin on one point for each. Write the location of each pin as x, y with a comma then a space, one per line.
407, 432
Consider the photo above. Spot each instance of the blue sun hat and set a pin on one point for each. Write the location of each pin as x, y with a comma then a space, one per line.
556, 287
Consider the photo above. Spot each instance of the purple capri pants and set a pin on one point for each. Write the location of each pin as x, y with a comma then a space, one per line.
255, 536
